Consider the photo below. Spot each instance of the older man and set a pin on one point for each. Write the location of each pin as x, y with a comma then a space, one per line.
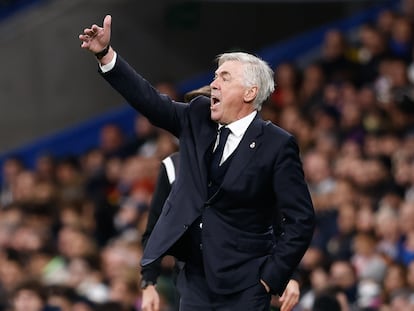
239, 176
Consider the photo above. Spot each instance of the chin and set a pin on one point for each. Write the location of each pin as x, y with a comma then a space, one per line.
214, 117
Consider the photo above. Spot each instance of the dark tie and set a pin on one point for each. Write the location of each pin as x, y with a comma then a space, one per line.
218, 152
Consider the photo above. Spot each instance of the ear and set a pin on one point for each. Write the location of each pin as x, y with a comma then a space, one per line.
250, 94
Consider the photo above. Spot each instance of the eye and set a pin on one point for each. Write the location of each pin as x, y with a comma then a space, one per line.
226, 77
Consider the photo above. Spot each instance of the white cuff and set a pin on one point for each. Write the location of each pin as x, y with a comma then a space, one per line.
107, 67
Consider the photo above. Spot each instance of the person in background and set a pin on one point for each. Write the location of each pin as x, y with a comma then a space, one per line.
31, 295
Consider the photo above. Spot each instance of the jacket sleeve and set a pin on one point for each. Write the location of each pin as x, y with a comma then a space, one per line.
161, 192
160, 110
295, 204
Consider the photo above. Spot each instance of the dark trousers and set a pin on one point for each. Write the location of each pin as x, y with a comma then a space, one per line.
196, 295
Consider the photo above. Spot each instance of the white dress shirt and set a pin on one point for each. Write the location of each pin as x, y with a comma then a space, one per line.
237, 130
110, 65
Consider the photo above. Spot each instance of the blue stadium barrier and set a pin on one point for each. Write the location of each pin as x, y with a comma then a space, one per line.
75, 140
82, 137
17, 5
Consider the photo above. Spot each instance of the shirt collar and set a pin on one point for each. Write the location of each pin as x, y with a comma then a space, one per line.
239, 127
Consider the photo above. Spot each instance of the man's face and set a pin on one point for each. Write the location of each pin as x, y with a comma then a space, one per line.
228, 94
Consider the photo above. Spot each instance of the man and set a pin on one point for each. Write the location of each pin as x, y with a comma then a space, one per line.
219, 216
168, 171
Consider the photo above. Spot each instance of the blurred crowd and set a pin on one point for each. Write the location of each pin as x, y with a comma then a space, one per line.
70, 228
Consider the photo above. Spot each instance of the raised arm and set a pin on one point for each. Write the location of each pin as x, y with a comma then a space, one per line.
161, 110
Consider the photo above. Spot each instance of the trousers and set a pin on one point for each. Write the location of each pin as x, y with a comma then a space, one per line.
195, 295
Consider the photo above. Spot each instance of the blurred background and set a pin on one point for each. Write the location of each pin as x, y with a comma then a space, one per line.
79, 166
47, 83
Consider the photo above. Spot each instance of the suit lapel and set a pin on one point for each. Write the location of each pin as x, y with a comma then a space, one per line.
243, 155
203, 142
245, 150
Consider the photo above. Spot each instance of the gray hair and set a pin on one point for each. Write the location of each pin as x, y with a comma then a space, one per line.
256, 73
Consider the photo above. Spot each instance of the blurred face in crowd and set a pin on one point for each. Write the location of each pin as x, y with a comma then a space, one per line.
45, 167
73, 242
316, 167
406, 217
23, 190
286, 76
333, 46
371, 39
401, 30
111, 138
365, 219
346, 218
11, 168
384, 21
27, 300
168, 89
394, 278
397, 73
319, 279
342, 274
230, 98
410, 274
11, 273
386, 223
289, 119
313, 79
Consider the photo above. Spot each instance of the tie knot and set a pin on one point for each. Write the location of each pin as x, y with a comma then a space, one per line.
224, 132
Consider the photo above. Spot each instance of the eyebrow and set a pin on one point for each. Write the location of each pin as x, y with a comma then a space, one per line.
223, 74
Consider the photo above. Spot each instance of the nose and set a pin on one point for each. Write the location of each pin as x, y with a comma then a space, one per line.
213, 84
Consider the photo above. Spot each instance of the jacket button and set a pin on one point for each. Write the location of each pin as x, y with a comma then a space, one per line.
209, 184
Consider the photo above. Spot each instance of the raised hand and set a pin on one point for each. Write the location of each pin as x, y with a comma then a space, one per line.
96, 39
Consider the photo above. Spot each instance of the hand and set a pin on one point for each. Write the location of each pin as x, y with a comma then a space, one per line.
265, 286
290, 296
96, 38
150, 299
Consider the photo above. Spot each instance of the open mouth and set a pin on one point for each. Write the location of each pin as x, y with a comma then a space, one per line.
215, 101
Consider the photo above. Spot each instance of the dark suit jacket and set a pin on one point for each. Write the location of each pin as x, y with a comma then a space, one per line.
162, 189
265, 179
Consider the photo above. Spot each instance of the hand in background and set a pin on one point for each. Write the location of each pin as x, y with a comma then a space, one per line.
150, 299
290, 296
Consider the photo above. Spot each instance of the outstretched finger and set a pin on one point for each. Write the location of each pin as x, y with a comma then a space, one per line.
107, 22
